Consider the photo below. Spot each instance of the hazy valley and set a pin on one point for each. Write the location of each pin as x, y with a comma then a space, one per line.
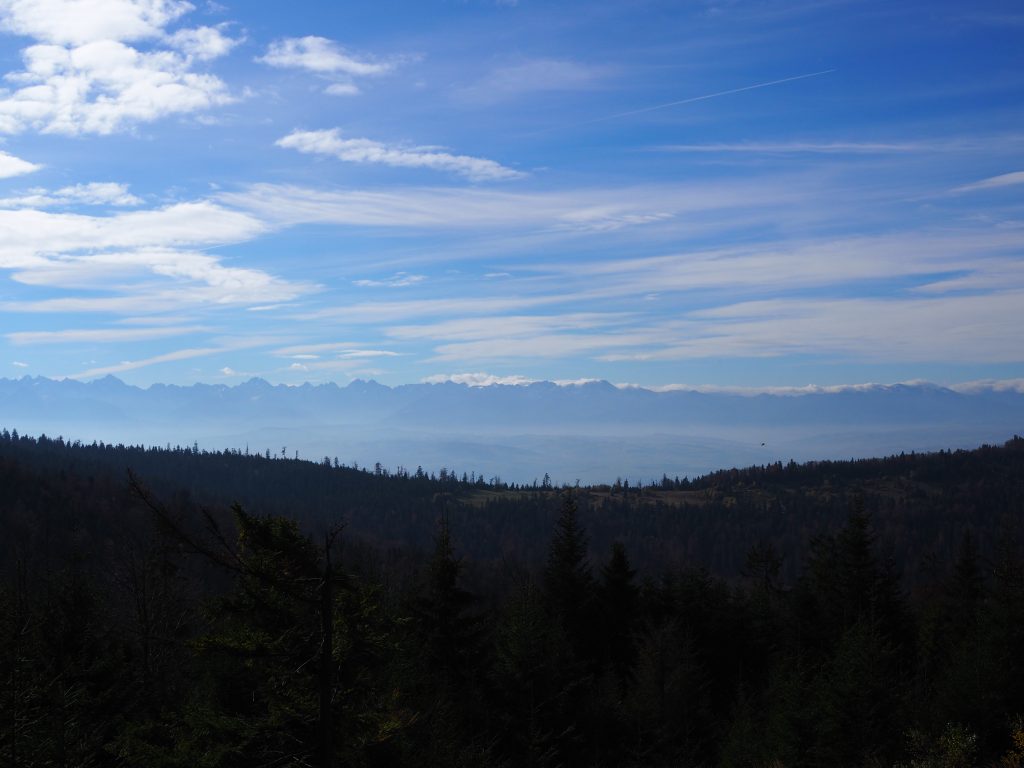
592, 432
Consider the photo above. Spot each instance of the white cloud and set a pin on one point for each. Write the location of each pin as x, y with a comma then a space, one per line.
342, 89
93, 193
970, 329
136, 262
974, 329
76, 22
490, 379
810, 147
610, 218
15, 166
548, 345
533, 76
313, 351
180, 354
362, 354
326, 59
995, 182
97, 335
502, 328
344, 355
398, 280
989, 385
477, 379
331, 143
203, 43
322, 56
792, 391
19, 364
210, 281
84, 76
389, 311
32, 238
570, 211
990, 259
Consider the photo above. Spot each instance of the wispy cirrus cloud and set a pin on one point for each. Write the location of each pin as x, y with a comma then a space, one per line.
998, 143
973, 329
531, 76
351, 364
99, 335
331, 143
583, 209
93, 193
363, 354
993, 182
808, 147
506, 327
397, 280
168, 357
370, 312
508, 337
978, 329
929, 258
689, 100
313, 351
341, 350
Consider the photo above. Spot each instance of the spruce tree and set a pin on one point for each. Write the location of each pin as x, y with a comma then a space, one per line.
568, 581
619, 602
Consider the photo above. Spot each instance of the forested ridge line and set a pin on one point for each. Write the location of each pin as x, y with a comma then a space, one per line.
920, 503
145, 623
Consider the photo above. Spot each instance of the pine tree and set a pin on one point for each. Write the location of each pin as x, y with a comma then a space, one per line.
860, 629
292, 663
620, 602
534, 682
568, 581
446, 662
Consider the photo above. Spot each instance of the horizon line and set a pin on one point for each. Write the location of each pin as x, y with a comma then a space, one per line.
483, 381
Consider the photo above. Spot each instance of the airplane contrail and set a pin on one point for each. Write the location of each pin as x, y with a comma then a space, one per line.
693, 99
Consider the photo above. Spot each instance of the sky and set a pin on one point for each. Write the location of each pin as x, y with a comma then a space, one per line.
716, 192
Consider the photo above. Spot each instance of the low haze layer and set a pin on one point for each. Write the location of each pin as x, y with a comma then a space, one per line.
593, 432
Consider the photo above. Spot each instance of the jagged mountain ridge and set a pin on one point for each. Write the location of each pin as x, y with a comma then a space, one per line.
519, 431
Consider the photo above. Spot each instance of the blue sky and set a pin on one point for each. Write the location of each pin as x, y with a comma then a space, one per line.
727, 193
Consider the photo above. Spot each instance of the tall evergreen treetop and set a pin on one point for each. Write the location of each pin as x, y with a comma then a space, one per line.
568, 579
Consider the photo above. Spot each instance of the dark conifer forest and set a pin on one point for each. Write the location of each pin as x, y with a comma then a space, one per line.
173, 607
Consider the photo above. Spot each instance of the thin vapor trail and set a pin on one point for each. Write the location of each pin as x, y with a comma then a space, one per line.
691, 100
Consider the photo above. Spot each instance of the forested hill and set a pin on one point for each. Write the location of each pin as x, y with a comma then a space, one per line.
751, 617
921, 504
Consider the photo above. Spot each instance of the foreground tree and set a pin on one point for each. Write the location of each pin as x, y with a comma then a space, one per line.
292, 665
444, 664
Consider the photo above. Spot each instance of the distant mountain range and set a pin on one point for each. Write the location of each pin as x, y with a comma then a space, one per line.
592, 431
